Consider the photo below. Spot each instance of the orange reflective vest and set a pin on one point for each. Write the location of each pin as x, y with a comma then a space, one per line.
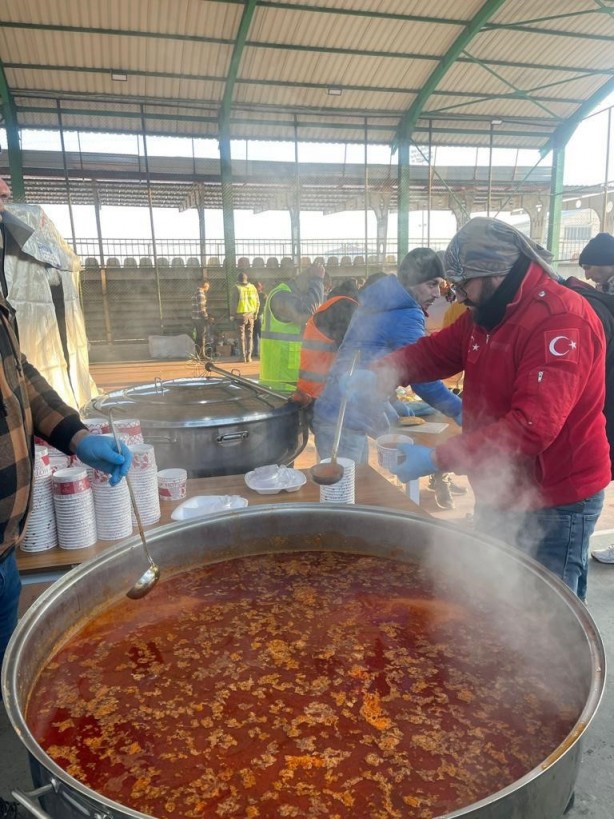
318, 353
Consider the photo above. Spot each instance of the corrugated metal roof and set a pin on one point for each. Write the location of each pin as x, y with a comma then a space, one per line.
121, 180
533, 64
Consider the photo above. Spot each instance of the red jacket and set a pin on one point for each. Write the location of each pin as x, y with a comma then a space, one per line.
533, 424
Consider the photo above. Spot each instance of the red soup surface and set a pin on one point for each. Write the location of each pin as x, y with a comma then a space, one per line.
314, 684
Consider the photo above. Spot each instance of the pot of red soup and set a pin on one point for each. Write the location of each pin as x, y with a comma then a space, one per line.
306, 661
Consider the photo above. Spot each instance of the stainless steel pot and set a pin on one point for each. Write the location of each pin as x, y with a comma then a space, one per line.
210, 426
481, 568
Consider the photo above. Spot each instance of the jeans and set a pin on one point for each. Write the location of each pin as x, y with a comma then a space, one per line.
245, 326
353, 444
10, 588
557, 537
256, 335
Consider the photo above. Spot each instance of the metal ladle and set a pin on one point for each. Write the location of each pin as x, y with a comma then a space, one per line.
326, 474
150, 577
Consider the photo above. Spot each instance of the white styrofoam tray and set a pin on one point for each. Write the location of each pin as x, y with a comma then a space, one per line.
270, 480
201, 505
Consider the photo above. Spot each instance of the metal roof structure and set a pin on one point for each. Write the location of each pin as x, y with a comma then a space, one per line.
181, 182
513, 73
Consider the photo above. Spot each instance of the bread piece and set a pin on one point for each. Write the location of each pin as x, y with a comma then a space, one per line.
410, 421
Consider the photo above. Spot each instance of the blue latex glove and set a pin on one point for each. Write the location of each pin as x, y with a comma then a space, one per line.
358, 386
459, 418
418, 462
101, 453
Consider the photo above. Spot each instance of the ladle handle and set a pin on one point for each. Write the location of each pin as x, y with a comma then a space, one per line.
133, 502
342, 409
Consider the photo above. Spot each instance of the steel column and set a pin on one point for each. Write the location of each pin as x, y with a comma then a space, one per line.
556, 200
403, 199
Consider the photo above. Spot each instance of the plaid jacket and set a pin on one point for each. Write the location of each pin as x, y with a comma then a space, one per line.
199, 305
28, 405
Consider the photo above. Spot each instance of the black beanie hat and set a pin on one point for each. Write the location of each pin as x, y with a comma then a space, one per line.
599, 252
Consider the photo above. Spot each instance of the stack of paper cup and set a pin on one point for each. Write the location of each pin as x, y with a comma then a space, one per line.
172, 484
343, 490
97, 426
144, 481
41, 533
74, 508
388, 454
129, 430
111, 507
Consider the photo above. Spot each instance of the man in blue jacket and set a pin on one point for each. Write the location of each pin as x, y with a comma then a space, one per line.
390, 314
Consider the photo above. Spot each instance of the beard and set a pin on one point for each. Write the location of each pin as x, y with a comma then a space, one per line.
486, 292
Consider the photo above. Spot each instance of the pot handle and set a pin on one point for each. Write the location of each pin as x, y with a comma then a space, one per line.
232, 438
26, 801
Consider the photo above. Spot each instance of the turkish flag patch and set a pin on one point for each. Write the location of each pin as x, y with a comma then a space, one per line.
561, 345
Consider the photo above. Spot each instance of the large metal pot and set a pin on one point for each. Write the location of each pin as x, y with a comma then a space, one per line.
481, 568
210, 426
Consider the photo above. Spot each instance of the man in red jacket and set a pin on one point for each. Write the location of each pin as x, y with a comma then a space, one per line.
533, 442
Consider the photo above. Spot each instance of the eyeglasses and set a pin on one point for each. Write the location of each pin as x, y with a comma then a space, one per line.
460, 288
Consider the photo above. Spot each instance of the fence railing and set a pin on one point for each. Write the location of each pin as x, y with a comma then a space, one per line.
140, 252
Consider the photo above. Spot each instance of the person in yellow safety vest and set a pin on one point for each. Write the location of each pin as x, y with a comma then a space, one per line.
245, 303
322, 338
287, 309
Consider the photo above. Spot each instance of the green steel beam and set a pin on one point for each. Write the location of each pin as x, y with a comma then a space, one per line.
211, 105
511, 85
575, 69
115, 32
403, 201
549, 18
205, 106
282, 123
293, 47
444, 109
341, 12
77, 69
285, 83
552, 32
411, 116
230, 262
12, 137
235, 60
556, 199
563, 133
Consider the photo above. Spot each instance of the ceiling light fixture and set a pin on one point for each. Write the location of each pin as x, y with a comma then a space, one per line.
334, 91
119, 76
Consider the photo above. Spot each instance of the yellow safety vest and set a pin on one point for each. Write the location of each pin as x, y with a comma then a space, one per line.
249, 302
280, 348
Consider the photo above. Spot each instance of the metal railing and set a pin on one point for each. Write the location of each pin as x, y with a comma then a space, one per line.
140, 252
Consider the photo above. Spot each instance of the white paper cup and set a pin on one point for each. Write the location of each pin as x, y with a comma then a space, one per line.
172, 484
344, 490
388, 454
129, 431
97, 426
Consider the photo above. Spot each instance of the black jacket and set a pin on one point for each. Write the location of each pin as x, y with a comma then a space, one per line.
603, 305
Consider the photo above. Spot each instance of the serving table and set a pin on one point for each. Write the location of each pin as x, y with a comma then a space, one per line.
371, 489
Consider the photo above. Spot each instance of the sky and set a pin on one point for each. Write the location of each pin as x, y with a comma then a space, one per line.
585, 164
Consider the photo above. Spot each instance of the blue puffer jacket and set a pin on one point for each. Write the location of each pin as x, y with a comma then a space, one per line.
387, 317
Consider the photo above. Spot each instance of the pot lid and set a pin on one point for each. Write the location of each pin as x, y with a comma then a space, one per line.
206, 401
